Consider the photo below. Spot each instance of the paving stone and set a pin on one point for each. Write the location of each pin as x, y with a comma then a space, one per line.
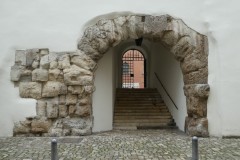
140, 144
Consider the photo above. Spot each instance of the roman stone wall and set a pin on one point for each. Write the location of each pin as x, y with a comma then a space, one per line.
63, 82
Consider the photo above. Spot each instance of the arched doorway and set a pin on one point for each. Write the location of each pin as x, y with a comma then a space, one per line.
133, 69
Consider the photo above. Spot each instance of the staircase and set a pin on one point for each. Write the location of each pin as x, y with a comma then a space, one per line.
141, 109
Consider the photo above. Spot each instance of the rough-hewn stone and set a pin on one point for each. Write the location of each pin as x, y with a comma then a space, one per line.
40, 125
197, 77
63, 111
71, 99
77, 123
75, 89
30, 90
196, 107
53, 89
183, 47
83, 110
20, 57
52, 109
64, 62
43, 51
152, 29
83, 61
41, 108
40, 75
22, 127
31, 55
53, 65
54, 74
16, 72
77, 76
197, 90
71, 110
196, 126
62, 99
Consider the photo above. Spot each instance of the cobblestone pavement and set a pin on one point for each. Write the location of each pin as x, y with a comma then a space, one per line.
143, 144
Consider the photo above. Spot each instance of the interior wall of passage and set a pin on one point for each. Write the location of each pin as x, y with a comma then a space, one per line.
103, 97
169, 72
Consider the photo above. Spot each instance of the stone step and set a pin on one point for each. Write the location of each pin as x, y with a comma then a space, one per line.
142, 120
139, 107
141, 114
142, 117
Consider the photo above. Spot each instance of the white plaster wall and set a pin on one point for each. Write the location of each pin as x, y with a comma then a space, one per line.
170, 74
57, 24
103, 97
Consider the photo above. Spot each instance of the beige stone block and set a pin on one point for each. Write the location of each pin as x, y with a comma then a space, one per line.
53, 65
64, 62
41, 108
40, 75
35, 64
16, 72
83, 110
53, 89
44, 51
71, 99
31, 55
62, 99
22, 127
77, 76
83, 61
63, 111
85, 100
30, 90
75, 89
54, 74
20, 57
52, 109
41, 125
88, 89
72, 109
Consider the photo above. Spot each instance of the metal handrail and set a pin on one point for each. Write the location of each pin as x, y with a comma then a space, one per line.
165, 90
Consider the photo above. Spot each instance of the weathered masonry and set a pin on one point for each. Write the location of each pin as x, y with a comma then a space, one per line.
63, 83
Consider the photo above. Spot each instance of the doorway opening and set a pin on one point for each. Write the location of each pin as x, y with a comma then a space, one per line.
133, 69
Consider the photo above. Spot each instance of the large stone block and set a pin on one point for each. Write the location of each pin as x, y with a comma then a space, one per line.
40, 75
77, 76
22, 127
63, 111
77, 123
30, 90
44, 51
83, 110
194, 61
83, 61
53, 74
41, 125
88, 89
72, 110
62, 99
53, 89
16, 72
135, 26
71, 99
197, 77
183, 47
75, 89
196, 127
64, 61
197, 90
86, 100
196, 107
81, 132
31, 55
20, 57
41, 108
52, 109
154, 26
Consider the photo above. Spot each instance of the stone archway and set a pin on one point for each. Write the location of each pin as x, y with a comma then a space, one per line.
63, 83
